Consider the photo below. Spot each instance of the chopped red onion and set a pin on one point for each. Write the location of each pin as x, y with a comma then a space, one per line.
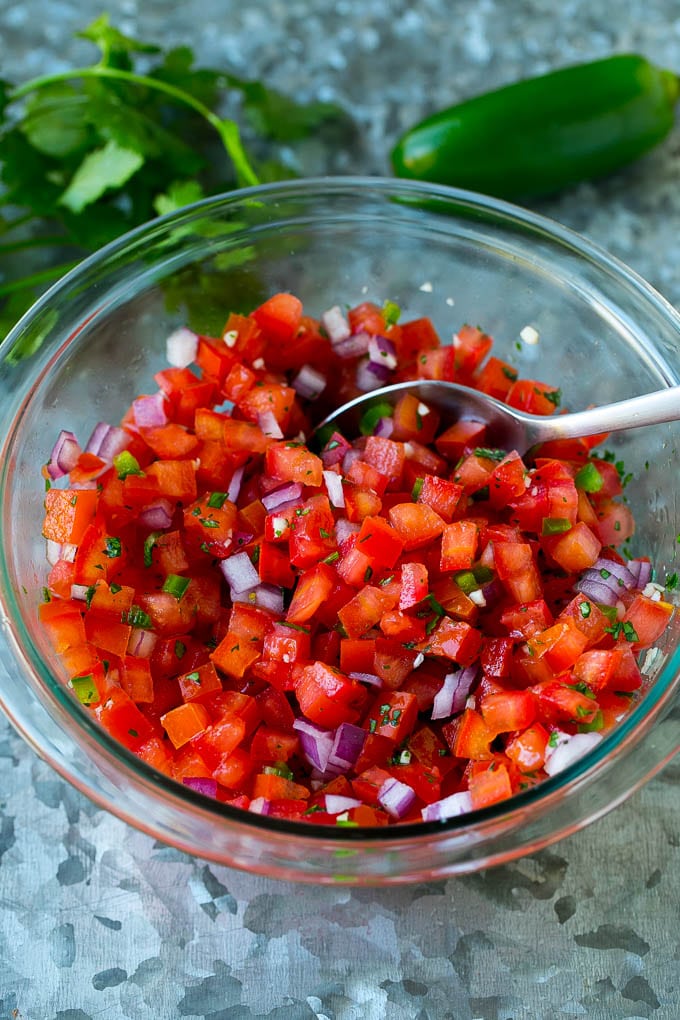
397, 798
641, 571
347, 745
142, 642
334, 487
345, 528
353, 347
107, 441
149, 412
234, 487
336, 325
382, 351
593, 587
240, 573
64, 455
452, 695
316, 743
448, 807
240, 538
336, 804
79, 592
269, 425
367, 678
618, 571
269, 596
157, 515
284, 494
95, 441
350, 458
260, 806
569, 747
53, 552
334, 450
181, 347
68, 552
384, 427
371, 376
309, 383
201, 784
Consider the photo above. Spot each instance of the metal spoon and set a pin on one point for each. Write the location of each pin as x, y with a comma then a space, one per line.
507, 428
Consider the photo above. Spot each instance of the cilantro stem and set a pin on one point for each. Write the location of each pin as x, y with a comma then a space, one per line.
226, 129
36, 279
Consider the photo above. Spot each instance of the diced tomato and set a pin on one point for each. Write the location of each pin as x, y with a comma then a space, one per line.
279, 317
443, 553
327, 697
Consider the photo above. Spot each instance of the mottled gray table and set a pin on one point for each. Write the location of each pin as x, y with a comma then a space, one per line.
98, 921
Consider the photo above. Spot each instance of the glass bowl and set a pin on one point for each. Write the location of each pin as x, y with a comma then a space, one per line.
93, 342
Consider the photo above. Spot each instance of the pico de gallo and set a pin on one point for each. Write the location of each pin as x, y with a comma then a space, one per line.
401, 625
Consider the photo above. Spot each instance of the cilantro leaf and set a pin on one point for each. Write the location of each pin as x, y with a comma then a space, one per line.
105, 168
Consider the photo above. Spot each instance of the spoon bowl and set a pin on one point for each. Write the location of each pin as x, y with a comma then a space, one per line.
507, 427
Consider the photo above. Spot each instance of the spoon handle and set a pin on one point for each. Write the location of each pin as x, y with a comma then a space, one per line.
648, 409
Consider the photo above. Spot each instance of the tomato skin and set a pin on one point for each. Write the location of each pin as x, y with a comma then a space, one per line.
279, 317
68, 513
327, 697
507, 711
393, 714
456, 640
516, 569
527, 750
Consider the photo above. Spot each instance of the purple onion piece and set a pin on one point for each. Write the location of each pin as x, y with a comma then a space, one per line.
382, 351
396, 798
284, 495
596, 590
336, 325
53, 552
260, 806
337, 804
149, 412
384, 427
239, 573
451, 697
269, 425
448, 807
641, 571
350, 458
347, 745
619, 571
316, 743
366, 678
309, 383
94, 443
371, 376
142, 643
114, 442
334, 450
157, 516
345, 528
334, 488
234, 487
64, 455
268, 596
201, 784
353, 347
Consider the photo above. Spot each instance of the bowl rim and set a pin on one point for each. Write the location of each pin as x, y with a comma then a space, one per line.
545, 792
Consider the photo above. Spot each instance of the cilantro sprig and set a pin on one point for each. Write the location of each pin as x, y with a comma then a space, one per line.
88, 153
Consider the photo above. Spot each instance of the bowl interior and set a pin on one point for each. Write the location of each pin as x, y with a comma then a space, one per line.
603, 335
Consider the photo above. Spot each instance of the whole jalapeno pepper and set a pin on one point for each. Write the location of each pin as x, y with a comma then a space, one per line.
546, 133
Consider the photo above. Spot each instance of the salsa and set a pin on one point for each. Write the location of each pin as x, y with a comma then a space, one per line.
394, 626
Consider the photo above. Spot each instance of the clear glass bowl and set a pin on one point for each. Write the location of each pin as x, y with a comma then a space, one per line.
93, 343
